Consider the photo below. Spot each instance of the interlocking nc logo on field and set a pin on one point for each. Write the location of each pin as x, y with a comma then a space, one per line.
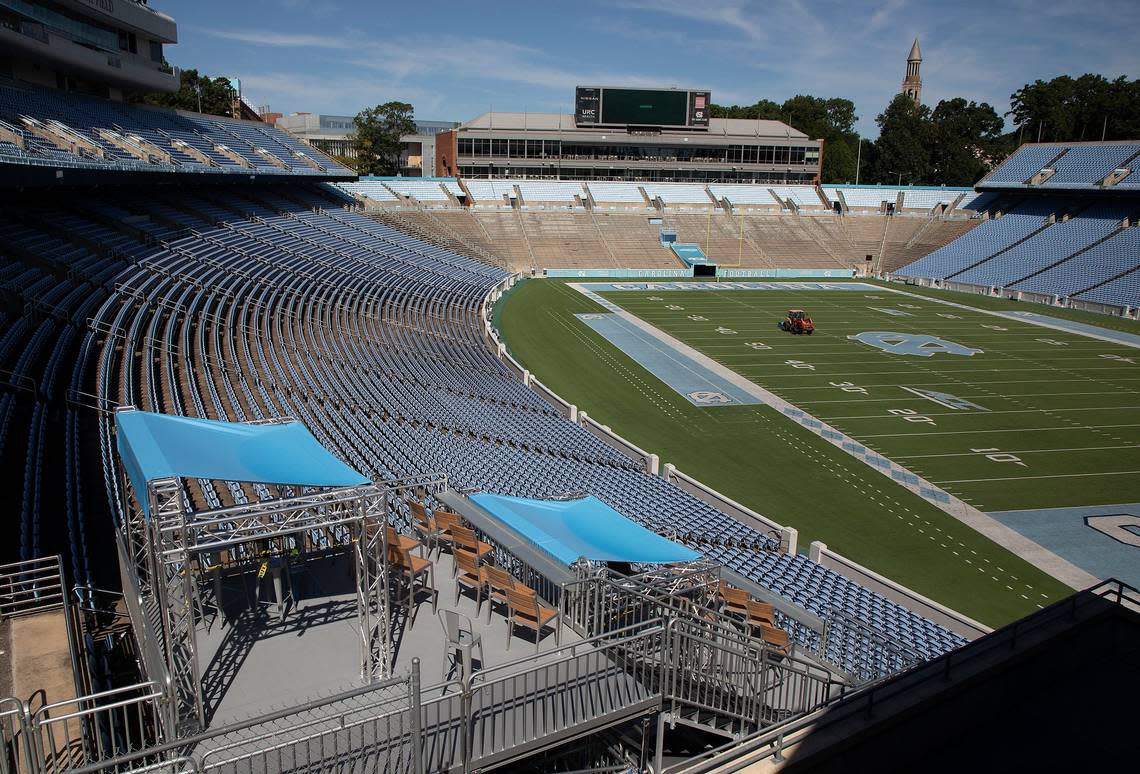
706, 396
916, 344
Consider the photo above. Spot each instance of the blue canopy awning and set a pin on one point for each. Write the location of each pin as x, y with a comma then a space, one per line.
569, 529
154, 446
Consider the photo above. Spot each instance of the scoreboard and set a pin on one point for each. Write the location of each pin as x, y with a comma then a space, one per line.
610, 106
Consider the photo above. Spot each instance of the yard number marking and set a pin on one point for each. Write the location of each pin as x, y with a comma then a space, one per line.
726, 331
1119, 358
697, 317
799, 364
757, 345
849, 387
910, 415
997, 455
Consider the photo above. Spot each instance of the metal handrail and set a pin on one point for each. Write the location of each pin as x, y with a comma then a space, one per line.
748, 750
31, 586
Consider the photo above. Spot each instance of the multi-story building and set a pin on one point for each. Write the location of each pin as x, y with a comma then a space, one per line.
641, 141
101, 47
333, 135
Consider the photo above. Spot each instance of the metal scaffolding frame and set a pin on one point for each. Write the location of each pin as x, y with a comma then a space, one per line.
162, 551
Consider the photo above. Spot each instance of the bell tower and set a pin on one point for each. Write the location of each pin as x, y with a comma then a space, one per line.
912, 83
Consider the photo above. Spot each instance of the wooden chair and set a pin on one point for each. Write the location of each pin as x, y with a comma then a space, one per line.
777, 640
465, 539
498, 582
761, 613
411, 567
525, 610
468, 574
735, 601
401, 541
425, 525
445, 520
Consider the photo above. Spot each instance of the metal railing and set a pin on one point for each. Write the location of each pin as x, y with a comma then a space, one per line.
13, 738
771, 744
96, 727
511, 712
31, 586
684, 665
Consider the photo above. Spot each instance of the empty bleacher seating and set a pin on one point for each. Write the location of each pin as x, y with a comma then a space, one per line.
84, 132
253, 303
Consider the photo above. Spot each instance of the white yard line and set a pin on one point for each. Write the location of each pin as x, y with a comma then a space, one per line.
1018, 451
1027, 478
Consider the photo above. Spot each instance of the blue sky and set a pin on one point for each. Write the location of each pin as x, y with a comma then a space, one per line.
453, 60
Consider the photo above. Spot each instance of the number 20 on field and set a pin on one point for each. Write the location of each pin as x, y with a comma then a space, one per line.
910, 415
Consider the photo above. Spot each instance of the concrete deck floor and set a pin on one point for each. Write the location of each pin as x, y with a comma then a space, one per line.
252, 664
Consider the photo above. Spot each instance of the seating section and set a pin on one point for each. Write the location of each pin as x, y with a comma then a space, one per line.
744, 194
1025, 162
678, 194
619, 237
624, 193
868, 196
1123, 290
1055, 243
1093, 270
985, 241
490, 191
979, 202
58, 129
373, 189
804, 196
817, 589
561, 191
1086, 165
252, 303
1092, 255
925, 199
1076, 165
422, 190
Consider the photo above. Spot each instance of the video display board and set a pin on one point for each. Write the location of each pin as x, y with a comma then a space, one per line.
608, 106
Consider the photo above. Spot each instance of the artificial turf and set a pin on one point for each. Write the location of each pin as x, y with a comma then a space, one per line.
769, 463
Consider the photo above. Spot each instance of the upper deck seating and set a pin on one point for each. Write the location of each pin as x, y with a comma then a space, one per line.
622, 193
113, 135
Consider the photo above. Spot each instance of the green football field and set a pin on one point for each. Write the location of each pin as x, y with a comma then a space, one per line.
1054, 422
1038, 417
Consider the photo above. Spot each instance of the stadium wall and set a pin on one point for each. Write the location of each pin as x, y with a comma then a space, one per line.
667, 273
1112, 310
788, 536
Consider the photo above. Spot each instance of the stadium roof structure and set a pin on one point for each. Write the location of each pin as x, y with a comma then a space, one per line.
155, 446
586, 527
564, 122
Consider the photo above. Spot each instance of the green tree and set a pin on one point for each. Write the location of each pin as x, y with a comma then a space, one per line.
763, 109
1068, 109
833, 121
964, 141
377, 137
216, 95
903, 150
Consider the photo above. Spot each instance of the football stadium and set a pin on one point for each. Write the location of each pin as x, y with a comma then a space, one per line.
614, 440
